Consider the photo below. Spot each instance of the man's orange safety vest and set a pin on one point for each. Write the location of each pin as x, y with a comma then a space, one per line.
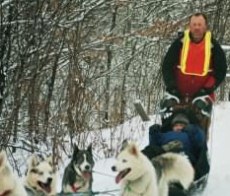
195, 57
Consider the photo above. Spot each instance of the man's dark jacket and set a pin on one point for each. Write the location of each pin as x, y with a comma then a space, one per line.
172, 59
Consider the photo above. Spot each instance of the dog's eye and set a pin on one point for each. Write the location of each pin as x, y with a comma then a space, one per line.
124, 160
40, 173
34, 171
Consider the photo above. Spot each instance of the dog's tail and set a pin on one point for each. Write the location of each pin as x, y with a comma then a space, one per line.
174, 167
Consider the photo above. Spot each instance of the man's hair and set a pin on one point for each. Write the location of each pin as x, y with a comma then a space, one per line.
199, 14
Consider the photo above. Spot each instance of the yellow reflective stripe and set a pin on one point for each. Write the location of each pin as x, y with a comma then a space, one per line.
207, 52
184, 55
185, 49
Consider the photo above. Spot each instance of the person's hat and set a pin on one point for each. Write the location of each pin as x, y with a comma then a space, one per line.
180, 118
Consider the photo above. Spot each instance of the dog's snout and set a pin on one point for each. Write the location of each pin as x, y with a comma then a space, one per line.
114, 168
87, 167
49, 180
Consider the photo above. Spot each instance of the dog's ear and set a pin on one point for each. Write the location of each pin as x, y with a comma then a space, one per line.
33, 161
124, 144
2, 158
133, 149
49, 159
89, 149
75, 150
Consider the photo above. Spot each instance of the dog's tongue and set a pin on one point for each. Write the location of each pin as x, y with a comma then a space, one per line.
118, 177
46, 187
122, 174
87, 175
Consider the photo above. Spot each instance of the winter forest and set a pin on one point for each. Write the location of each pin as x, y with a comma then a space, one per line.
71, 67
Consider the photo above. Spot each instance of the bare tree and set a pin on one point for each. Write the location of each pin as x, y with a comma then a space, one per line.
68, 67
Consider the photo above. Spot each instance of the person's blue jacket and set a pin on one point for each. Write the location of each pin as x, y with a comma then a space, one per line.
192, 137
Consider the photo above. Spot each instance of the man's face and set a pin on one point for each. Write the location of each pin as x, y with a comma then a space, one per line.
178, 127
197, 27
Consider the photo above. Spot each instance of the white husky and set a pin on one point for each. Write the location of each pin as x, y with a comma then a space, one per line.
136, 173
139, 176
40, 177
10, 184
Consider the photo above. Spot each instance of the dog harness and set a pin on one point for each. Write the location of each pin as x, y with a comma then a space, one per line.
195, 57
5, 193
129, 189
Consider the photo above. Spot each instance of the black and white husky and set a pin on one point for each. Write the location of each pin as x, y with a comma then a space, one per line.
78, 174
10, 185
40, 179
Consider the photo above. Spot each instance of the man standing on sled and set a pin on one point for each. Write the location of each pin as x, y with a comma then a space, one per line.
193, 68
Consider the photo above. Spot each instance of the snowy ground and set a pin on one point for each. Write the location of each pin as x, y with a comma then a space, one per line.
219, 145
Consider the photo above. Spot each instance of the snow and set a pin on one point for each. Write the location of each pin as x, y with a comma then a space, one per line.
225, 47
219, 144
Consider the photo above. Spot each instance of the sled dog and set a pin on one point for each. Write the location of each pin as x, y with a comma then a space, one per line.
40, 179
10, 185
173, 167
135, 172
78, 173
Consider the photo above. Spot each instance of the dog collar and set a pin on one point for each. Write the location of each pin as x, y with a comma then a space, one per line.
7, 192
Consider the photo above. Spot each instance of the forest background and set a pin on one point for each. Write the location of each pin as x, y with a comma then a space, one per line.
69, 67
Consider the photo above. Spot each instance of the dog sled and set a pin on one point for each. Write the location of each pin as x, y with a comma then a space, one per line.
202, 165
197, 117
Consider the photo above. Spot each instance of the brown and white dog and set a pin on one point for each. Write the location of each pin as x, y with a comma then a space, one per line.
40, 177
